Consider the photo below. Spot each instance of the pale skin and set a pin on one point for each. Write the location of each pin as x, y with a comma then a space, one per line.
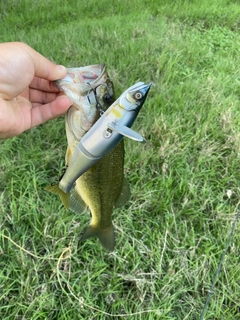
27, 95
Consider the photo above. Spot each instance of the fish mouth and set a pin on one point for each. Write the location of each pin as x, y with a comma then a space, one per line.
82, 79
80, 85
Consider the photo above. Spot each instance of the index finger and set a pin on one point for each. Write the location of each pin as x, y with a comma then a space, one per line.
43, 85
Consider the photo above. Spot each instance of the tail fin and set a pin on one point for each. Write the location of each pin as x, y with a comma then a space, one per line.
105, 236
65, 197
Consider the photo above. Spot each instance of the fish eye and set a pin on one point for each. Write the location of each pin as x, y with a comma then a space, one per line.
107, 98
138, 95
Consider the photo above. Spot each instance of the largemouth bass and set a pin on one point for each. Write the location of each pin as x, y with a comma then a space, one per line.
102, 186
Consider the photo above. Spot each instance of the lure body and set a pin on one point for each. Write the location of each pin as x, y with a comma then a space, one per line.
106, 133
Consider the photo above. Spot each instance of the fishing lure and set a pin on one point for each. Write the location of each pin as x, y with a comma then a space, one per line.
106, 133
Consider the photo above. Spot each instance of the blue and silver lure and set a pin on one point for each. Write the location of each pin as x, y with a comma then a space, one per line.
106, 133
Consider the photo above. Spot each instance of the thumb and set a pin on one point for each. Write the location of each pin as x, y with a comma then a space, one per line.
43, 67
48, 70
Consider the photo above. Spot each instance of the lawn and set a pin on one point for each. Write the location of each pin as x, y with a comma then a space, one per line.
184, 181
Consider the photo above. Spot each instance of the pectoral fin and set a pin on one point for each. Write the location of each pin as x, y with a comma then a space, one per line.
126, 132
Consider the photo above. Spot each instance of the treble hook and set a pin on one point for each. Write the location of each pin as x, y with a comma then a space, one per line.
98, 104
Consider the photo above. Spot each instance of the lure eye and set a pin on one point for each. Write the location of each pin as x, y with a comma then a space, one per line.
138, 95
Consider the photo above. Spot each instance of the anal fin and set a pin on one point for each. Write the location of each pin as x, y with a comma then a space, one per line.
77, 204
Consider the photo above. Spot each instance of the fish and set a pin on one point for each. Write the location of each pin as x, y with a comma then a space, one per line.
90, 89
100, 186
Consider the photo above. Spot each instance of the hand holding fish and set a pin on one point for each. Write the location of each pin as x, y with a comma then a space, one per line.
27, 94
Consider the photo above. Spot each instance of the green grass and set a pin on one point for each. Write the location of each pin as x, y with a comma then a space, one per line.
184, 180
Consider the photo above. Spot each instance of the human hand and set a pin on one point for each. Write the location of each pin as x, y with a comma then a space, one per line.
27, 95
